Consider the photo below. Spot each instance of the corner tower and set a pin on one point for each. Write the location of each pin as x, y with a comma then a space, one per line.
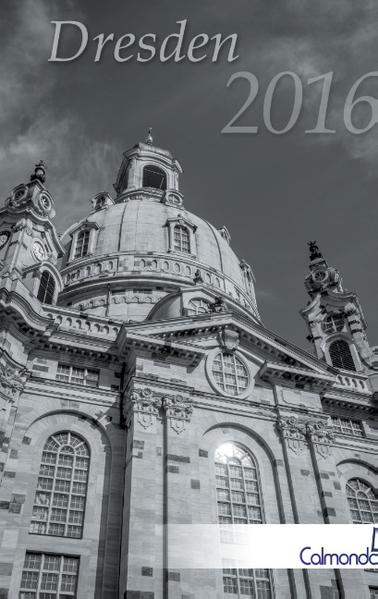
29, 244
336, 323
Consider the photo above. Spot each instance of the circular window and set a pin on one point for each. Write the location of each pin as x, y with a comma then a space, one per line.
230, 374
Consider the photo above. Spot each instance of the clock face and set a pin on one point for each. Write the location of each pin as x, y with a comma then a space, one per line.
4, 236
38, 251
45, 202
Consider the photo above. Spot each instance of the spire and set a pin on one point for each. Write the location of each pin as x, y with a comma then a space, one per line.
149, 138
315, 253
334, 317
39, 172
322, 277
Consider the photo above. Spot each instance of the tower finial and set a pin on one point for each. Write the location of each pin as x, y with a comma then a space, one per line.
39, 172
315, 253
149, 138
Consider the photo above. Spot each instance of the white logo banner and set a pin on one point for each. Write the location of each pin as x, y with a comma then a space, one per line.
197, 546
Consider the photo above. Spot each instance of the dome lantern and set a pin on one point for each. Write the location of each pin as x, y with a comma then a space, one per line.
150, 169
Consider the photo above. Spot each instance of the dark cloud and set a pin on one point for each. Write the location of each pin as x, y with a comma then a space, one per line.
272, 192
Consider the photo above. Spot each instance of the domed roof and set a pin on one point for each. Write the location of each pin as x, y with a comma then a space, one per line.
142, 226
147, 240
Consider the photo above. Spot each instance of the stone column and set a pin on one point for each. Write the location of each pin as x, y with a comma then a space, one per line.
320, 439
177, 409
142, 550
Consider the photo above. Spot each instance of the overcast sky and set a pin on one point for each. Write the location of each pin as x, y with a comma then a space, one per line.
272, 192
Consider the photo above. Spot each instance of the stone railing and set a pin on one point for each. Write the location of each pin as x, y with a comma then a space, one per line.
84, 324
353, 383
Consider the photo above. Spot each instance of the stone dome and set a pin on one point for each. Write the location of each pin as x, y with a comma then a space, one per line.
131, 252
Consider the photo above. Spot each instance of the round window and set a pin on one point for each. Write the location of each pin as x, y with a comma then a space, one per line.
230, 374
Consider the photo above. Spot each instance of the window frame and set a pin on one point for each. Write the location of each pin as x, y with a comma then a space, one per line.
82, 244
181, 242
85, 370
60, 573
344, 342
156, 171
215, 384
232, 576
340, 427
50, 492
352, 495
191, 229
87, 226
47, 293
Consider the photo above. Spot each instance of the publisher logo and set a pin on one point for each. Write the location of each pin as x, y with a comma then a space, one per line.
321, 557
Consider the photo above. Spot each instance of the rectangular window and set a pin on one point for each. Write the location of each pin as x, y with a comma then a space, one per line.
346, 426
49, 575
79, 376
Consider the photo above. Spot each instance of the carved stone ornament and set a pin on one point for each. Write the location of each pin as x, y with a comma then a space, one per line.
12, 381
178, 410
172, 198
294, 432
18, 197
143, 405
218, 306
229, 339
321, 436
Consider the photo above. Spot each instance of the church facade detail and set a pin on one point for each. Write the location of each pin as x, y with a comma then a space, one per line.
139, 387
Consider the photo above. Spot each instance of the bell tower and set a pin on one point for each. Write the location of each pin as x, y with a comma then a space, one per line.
336, 323
29, 244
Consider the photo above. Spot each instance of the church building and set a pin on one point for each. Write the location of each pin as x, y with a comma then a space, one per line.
140, 388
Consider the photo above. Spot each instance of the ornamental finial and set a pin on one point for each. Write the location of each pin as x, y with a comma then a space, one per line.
39, 172
149, 138
315, 253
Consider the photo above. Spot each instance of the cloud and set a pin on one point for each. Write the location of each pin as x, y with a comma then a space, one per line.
23, 55
32, 130
77, 167
312, 39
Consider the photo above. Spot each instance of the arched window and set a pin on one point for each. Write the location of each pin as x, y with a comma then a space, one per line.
230, 373
62, 487
181, 239
82, 244
362, 501
155, 177
341, 355
46, 288
239, 502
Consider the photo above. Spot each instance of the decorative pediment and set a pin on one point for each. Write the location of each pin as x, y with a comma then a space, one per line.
83, 225
281, 362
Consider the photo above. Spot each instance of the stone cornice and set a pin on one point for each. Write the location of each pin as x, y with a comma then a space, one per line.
17, 300
351, 402
130, 339
285, 375
67, 391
